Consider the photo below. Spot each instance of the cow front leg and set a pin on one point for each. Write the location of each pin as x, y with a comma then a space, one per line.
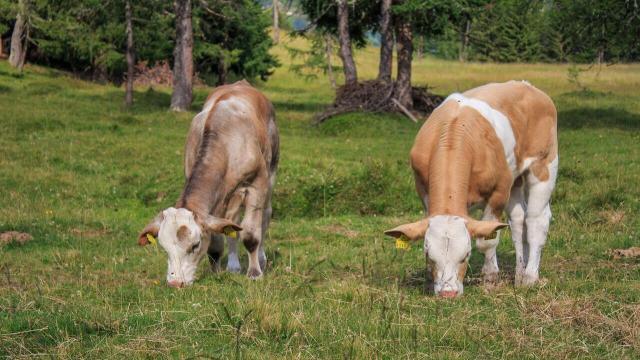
490, 270
538, 217
233, 261
233, 214
251, 234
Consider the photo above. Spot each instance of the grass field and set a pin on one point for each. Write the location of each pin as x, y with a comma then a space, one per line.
83, 176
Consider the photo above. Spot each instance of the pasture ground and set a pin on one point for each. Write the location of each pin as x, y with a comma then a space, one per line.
83, 176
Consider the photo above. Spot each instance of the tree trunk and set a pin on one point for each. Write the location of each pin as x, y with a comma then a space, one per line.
329, 50
1, 47
386, 42
19, 37
183, 58
128, 97
222, 72
276, 22
404, 48
348, 65
420, 49
464, 41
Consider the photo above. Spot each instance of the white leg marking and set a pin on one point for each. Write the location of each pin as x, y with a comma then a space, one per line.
488, 248
516, 209
233, 262
537, 219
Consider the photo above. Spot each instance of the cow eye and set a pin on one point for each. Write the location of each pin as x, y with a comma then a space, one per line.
194, 247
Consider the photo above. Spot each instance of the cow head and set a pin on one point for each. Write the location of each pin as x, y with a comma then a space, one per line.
447, 246
185, 237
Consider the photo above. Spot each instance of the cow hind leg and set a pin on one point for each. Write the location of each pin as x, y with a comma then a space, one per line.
251, 234
262, 257
516, 209
537, 219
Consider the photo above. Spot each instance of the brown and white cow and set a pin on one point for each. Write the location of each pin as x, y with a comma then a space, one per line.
231, 156
495, 145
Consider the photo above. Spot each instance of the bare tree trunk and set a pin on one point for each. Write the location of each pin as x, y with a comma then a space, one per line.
464, 41
128, 96
386, 42
329, 50
404, 49
19, 37
1, 47
183, 58
276, 22
420, 49
348, 65
222, 72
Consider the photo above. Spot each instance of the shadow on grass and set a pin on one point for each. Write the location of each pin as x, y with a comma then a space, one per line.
420, 279
312, 107
579, 118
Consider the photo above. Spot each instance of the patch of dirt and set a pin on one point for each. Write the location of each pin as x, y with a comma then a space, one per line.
88, 233
632, 252
158, 74
14, 236
622, 326
613, 217
341, 230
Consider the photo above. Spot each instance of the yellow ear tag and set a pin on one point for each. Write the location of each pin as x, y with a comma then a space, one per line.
152, 240
493, 235
230, 232
403, 243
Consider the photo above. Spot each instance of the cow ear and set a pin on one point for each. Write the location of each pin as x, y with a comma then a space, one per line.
484, 229
217, 225
151, 229
413, 231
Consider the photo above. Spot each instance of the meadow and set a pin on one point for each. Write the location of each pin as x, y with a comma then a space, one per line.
83, 175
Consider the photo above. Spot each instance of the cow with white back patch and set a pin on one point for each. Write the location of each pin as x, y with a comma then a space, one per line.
231, 157
494, 146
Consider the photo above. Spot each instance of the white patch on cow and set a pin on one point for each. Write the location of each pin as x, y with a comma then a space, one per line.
498, 121
447, 243
537, 219
233, 106
526, 163
183, 255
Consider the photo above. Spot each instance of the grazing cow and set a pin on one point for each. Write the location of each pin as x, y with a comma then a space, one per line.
231, 157
495, 145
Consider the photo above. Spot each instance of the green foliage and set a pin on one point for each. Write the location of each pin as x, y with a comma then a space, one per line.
532, 31
87, 36
593, 29
234, 33
363, 17
309, 63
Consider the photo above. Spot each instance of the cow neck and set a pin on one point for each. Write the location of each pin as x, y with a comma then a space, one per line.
451, 169
205, 189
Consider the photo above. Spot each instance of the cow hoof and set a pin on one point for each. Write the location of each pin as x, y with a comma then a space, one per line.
215, 267
526, 280
234, 268
490, 278
254, 274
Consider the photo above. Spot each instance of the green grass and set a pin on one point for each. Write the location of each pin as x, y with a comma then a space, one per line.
83, 176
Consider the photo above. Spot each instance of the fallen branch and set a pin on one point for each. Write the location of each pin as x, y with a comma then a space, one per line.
405, 110
378, 96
